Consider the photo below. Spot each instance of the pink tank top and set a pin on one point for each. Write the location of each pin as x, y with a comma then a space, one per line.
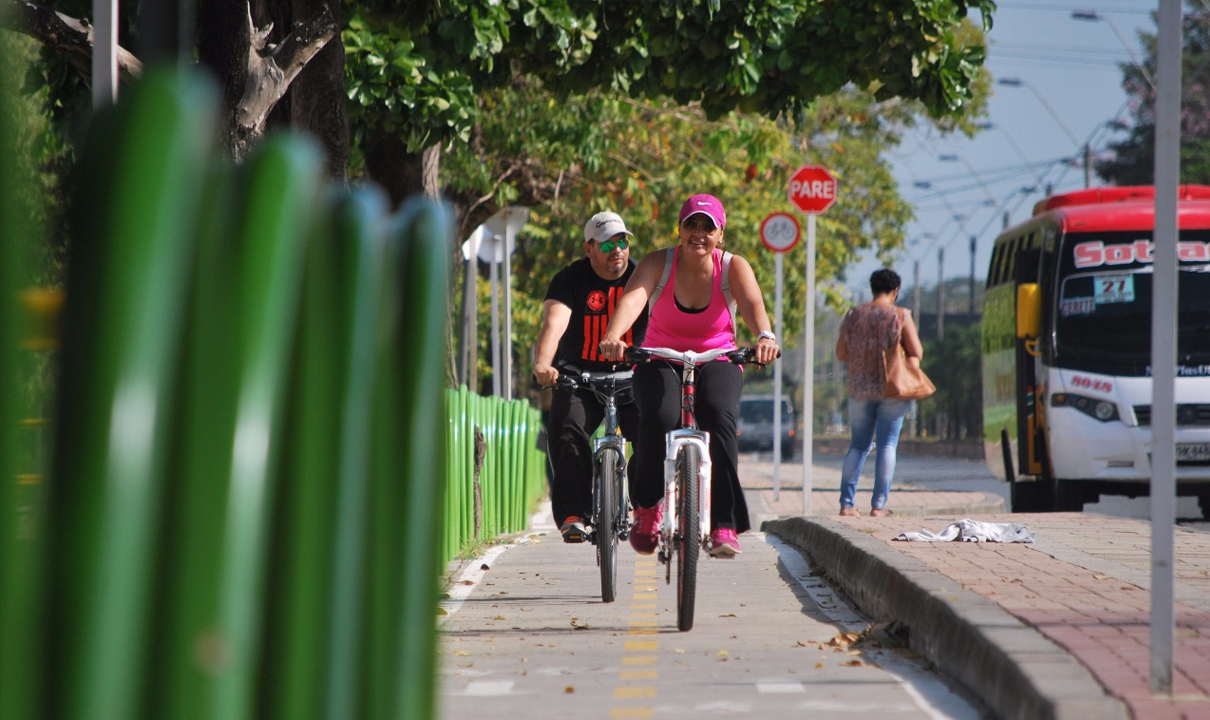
710, 329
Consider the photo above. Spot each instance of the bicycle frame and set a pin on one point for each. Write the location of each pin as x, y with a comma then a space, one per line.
687, 434
611, 441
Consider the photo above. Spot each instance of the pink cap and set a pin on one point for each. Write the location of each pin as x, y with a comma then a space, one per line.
707, 205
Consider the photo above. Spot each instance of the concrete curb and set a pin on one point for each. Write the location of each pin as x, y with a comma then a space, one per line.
1007, 664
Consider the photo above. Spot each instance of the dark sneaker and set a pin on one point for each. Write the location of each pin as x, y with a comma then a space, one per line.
724, 543
645, 535
573, 530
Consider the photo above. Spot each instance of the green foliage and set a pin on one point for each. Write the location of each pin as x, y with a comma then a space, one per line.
954, 365
768, 57
403, 86
573, 156
1133, 158
42, 160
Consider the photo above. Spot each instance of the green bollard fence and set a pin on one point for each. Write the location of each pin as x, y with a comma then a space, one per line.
422, 443
134, 217
361, 234
512, 477
258, 476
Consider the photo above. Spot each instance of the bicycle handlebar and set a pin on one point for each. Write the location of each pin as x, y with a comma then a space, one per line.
739, 356
599, 382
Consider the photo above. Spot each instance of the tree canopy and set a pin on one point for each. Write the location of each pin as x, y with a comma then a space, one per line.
421, 73
1132, 161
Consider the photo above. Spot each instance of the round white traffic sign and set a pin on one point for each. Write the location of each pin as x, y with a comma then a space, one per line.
779, 232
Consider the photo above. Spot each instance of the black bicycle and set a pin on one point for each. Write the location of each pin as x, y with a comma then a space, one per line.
610, 521
685, 528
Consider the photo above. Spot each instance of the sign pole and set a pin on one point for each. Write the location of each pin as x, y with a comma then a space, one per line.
808, 372
495, 327
779, 265
779, 232
1164, 309
813, 190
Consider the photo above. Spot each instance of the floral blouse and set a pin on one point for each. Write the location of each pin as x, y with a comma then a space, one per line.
866, 332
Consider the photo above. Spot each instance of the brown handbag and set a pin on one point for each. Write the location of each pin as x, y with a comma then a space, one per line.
904, 378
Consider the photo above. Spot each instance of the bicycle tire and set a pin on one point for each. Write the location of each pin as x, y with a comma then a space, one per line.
607, 527
688, 541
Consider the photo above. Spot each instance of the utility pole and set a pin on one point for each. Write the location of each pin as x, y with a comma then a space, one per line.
916, 290
972, 305
940, 293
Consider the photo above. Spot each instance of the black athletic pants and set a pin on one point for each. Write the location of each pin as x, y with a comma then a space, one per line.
657, 391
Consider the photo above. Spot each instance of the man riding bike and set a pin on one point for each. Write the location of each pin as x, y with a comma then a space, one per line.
580, 301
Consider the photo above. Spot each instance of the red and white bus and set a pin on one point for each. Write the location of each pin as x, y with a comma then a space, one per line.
1067, 349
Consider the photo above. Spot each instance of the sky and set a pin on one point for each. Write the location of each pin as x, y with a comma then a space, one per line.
1070, 89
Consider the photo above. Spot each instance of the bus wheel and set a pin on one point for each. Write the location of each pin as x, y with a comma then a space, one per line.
1069, 497
1033, 496
1203, 502
1006, 449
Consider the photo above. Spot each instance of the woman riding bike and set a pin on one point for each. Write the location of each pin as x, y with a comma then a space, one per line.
689, 290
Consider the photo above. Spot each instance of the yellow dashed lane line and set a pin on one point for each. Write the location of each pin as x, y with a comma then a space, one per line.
639, 684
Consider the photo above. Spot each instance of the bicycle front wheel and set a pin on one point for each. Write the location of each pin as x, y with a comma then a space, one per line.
608, 495
688, 539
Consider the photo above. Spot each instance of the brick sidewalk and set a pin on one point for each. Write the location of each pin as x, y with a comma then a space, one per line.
1099, 614
1083, 585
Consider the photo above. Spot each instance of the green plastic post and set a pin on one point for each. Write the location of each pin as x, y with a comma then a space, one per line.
135, 216
280, 192
423, 233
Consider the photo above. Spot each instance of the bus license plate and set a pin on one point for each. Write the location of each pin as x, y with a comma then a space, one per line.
1192, 451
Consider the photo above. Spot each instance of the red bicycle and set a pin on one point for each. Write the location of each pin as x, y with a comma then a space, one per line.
685, 529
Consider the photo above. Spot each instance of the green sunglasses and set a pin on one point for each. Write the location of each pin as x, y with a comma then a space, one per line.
608, 246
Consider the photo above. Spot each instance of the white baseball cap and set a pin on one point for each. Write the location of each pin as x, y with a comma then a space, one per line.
604, 225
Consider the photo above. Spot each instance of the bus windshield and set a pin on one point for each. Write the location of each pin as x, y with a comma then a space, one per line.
1103, 320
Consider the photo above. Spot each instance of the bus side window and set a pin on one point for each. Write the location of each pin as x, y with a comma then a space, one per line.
993, 273
1010, 260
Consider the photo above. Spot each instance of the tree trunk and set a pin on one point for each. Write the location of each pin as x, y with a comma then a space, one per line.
401, 173
316, 99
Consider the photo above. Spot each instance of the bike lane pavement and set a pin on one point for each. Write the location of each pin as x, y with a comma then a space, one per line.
532, 638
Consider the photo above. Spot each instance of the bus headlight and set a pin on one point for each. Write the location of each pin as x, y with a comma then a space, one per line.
1102, 410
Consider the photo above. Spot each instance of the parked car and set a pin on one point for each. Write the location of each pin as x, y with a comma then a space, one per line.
755, 426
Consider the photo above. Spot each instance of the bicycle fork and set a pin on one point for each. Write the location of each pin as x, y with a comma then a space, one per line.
675, 441
617, 515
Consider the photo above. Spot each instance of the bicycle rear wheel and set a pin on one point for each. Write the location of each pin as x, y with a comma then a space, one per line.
607, 523
688, 540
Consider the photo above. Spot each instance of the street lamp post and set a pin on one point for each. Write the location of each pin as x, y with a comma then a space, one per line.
1018, 82
1094, 16
1083, 147
1016, 147
971, 169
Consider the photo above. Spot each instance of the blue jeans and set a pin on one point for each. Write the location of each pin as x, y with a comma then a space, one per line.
870, 419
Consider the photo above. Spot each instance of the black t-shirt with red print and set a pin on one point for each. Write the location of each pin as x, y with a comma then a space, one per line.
592, 300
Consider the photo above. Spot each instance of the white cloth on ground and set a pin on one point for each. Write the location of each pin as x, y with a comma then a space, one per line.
968, 530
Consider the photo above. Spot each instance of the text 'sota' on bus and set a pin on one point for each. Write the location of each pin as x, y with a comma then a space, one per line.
1067, 349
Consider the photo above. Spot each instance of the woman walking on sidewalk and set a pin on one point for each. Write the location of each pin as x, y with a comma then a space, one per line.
866, 332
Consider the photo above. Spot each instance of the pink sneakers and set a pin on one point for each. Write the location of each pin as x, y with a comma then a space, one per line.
645, 534
724, 543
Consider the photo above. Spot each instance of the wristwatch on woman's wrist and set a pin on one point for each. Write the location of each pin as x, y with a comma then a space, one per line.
767, 334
